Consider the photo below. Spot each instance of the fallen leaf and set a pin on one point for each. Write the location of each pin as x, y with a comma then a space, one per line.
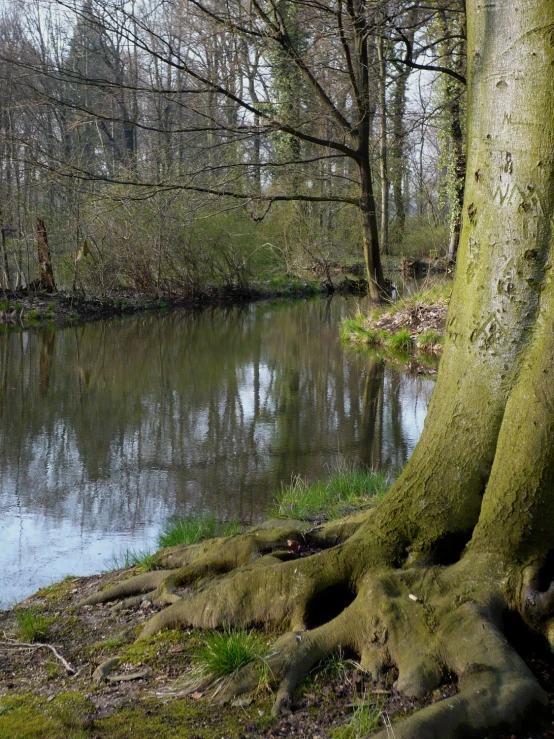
242, 702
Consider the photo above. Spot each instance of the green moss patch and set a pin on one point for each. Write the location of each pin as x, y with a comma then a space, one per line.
25, 716
151, 719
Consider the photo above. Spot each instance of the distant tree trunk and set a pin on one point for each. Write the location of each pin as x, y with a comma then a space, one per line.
46, 273
459, 169
398, 168
454, 51
374, 269
383, 147
4, 256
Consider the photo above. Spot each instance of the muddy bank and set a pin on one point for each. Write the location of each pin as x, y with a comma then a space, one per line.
63, 309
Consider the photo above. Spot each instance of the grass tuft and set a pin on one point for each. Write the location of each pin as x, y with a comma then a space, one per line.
192, 529
32, 626
400, 341
143, 559
223, 653
366, 719
346, 489
428, 340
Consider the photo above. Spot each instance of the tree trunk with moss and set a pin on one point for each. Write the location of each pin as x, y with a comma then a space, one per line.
423, 582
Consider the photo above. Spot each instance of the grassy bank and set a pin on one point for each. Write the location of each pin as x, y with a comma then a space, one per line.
164, 684
27, 308
345, 491
413, 323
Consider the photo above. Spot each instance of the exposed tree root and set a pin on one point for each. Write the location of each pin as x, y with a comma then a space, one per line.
429, 622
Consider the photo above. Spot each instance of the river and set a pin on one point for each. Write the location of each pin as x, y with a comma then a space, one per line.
110, 428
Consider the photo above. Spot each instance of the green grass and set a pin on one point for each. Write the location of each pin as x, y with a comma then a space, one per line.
429, 339
32, 626
358, 329
192, 529
223, 653
355, 329
365, 719
346, 489
143, 559
401, 340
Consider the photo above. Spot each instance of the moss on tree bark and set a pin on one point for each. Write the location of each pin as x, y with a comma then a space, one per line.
466, 533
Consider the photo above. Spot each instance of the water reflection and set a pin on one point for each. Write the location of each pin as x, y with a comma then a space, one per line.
109, 428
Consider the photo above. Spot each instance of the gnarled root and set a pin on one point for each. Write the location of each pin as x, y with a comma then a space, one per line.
430, 623
271, 543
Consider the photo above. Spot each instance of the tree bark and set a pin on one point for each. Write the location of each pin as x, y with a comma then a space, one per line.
466, 533
46, 273
370, 234
383, 147
398, 165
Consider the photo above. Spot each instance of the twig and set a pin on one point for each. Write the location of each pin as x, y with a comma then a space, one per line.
12, 644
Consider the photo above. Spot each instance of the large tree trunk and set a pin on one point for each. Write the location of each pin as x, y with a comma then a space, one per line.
464, 535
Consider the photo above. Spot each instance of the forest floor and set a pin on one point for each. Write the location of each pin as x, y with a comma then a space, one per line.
146, 695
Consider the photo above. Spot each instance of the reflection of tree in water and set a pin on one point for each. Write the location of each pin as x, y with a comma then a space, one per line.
386, 442
121, 422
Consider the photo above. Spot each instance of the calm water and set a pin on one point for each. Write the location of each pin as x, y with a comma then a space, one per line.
108, 429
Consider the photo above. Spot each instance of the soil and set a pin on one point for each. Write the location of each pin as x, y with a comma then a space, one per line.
41, 699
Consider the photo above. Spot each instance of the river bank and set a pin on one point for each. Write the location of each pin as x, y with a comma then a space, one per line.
43, 698
51, 688
27, 308
49, 691
415, 323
